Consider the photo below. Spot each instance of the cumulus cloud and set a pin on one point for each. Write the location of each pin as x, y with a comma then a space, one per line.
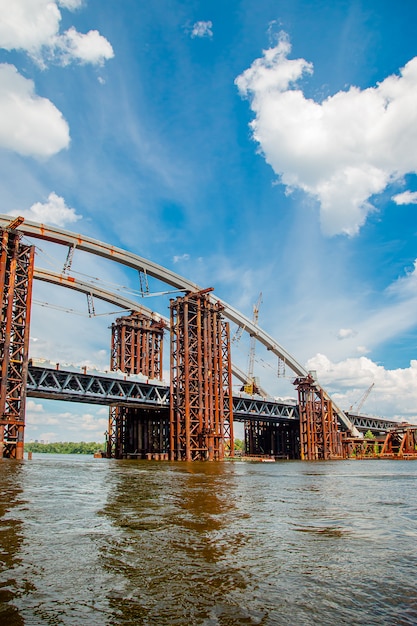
34, 407
406, 197
54, 211
394, 392
341, 151
33, 26
29, 124
202, 29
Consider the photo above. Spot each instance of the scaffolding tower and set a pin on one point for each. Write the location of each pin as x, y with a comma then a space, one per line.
201, 409
320, 438
16, 278
137, 348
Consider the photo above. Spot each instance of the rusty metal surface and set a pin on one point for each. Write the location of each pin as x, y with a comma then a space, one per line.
16, 277
137, 345
137, 348
401, 443
200, 374
320, 438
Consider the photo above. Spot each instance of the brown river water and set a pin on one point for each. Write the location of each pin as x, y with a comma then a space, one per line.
101, 542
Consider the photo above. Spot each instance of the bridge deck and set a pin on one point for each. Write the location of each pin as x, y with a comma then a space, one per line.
118, 389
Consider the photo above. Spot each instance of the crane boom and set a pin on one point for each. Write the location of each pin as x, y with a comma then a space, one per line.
251, 386
363, 398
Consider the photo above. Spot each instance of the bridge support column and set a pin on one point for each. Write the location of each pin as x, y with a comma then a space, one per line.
320, 438
16, 277
136, 348
201, 403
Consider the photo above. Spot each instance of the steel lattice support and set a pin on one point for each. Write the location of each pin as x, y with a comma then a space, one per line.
226, 369
137, 345
401, 443
200, 391
319, 434
136, 348
16, 277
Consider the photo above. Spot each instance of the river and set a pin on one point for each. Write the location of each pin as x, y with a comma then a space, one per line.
102, 542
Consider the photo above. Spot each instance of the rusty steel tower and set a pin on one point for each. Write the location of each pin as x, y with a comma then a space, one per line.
201, 410
16, 278
137, 348
320, 438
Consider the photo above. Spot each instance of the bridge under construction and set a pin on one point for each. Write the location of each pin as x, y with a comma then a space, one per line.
192, 418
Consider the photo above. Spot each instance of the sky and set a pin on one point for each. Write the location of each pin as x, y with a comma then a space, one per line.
256, 148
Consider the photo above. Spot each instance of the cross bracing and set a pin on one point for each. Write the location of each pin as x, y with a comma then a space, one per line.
94, 388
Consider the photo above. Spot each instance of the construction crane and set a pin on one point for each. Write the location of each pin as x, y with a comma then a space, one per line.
362, 399
252, 385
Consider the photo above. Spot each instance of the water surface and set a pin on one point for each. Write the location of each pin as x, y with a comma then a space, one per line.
105, 542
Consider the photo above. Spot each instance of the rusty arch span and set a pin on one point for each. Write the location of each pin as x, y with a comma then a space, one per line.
129, 259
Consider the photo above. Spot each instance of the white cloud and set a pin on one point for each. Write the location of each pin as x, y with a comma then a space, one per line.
346, 333
202, 29
54, 211
340, 151
74, 46
29, 124
181, 257
394, 392
362, 350
70, 4
407, 197
33, 26
91, 423
34, 407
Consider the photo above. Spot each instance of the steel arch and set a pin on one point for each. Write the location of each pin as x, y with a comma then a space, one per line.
129, 259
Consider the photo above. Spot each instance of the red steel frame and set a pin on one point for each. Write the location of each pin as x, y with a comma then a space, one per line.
136, 348
16, 278
319, 435
201, 414
400, 443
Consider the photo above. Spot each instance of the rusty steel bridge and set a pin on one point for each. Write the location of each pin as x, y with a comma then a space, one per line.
192, 417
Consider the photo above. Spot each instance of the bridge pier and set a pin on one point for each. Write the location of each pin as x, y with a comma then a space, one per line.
201, 403
16, 277
136, 348
320, 438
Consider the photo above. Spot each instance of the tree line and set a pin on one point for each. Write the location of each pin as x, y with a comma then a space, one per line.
65, 447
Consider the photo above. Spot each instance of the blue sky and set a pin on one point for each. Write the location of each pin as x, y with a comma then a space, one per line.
251, 147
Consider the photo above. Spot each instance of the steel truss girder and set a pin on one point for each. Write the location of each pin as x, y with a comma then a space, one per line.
200, 379
93, 388
251, 408
41, 386
16, 277
375, 424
